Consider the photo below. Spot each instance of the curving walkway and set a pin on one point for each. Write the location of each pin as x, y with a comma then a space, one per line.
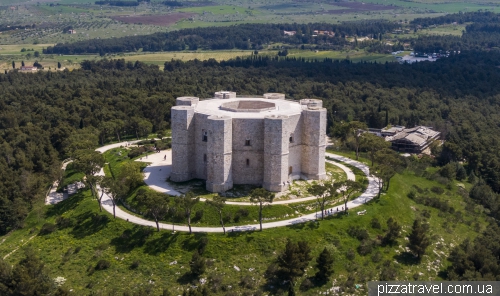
368, 195
158, 171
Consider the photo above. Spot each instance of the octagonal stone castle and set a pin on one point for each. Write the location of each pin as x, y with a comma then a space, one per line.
261, 140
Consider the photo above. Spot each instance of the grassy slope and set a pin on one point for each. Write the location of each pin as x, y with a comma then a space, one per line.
122, 243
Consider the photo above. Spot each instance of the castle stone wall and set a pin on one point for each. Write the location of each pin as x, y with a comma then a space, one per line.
219, 152
182, 143
263, 147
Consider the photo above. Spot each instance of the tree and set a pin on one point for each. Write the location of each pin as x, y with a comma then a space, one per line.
58, 65
419, 240
356, 131
388, 164
324, 263
90, 163
30, 277
22, 63
13, 65
115, 189
373, 144
324, 192
36, 54
347, 189
154, 205
130, 175
294, 260
392, 232
218, 204
261, 197
197, 264
187, 202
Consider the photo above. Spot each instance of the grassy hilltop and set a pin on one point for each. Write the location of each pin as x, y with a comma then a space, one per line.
141, 259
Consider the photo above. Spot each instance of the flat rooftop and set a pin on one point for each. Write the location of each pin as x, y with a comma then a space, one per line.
248, 107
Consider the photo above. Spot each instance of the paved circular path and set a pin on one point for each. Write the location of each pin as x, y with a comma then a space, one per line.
157, 172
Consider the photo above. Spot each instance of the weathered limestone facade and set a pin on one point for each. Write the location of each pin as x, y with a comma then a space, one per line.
261, 140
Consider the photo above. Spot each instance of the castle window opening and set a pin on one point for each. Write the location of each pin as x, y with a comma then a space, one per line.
248, 162
291, 138
290, 170
204, 136
247, 142
204, 157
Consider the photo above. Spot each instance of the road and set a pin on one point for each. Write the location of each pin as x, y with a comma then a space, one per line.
370, 192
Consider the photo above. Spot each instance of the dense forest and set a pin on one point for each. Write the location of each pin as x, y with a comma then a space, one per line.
459, 18
44, 115
246, 36
482, 32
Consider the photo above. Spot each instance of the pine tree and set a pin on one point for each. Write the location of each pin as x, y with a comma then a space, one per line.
461, 173
197, 264
294, 261
58, 65
13, 65
324, 265
418, 238
393, 231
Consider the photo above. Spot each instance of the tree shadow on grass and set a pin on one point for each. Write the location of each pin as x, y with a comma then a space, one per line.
65, 205
308, 225
193, 241
160, 244
132, 238
89, 223
407, 258
187, 278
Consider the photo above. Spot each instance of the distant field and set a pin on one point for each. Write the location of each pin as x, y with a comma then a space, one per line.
16, 49
157, 20
73, 61
354, 56
225, 9
161, 58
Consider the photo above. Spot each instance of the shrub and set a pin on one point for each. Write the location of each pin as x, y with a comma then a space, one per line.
306, 285
63, 222
243, 212
48, 228
388, 272
376, 257
366, 247
203, 245
350, 254
198, 215
102, 264
247, 282
419, 190
215, 282
358, 232
375, 223
135, 264
437, 190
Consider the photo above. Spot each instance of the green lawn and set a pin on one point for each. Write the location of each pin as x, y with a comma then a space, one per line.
72, 252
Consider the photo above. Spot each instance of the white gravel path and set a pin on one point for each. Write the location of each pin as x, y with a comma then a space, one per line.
152, 178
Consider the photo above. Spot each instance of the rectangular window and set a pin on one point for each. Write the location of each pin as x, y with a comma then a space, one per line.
204, 136
248, 162
247, 143
204, 157
291, 138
